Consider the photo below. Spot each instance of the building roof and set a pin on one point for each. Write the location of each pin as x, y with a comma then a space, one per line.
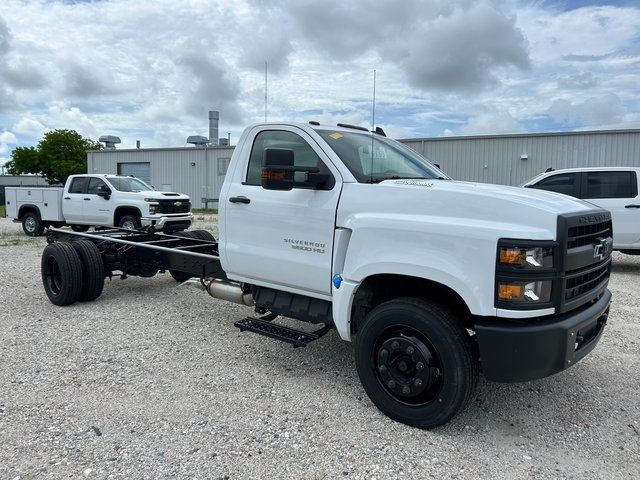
517, 135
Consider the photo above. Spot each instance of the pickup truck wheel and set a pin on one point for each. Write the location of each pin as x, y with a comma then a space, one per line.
130, 222
630, 252
416, 362
32, 226
79, 228
93, 272
61, 270
177, 275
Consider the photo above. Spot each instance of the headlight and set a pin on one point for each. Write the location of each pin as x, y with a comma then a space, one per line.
526, 258
523, 293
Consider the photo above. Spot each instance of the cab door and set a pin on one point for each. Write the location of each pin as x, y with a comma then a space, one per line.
616, 191
281, 238
97, 210
73, 201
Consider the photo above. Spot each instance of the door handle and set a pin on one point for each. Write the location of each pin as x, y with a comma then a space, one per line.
632, 206
67, 198
240, 199
87, 199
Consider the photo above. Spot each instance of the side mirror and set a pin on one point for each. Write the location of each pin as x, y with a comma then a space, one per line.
279, 172
104, 192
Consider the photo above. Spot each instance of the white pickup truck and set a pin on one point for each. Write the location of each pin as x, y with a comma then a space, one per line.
433, 280
97, 200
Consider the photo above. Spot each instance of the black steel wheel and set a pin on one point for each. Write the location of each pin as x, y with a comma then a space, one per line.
32, 225
93, 271
416, 362
61, 270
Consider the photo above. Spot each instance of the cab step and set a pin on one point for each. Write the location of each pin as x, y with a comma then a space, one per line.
297, 338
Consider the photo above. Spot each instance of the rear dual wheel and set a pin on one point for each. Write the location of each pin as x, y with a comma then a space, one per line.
416, 362
177, 275
72, 272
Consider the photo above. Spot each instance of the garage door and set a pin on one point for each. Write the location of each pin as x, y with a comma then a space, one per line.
141, 170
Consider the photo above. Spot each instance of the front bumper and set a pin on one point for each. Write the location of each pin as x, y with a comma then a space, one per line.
519, 352
181, 221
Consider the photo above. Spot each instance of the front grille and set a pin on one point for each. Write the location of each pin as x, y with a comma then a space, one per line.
173, 206
579, 283
587, 234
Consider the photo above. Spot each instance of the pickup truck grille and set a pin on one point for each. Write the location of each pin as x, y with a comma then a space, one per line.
587, 234
583, 281
173, 206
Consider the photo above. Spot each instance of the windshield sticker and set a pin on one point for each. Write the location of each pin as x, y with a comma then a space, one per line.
417, 183
336, 136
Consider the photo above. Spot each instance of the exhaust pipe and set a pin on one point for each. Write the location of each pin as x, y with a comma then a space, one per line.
230, 292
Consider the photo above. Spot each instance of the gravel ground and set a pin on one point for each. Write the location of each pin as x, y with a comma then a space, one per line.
153, 380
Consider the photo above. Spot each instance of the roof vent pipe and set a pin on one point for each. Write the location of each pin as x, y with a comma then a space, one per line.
214, 118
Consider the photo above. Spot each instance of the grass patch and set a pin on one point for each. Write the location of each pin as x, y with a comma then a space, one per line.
3, 210
205, 210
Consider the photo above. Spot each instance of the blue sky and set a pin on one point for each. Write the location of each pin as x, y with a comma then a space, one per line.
149, 70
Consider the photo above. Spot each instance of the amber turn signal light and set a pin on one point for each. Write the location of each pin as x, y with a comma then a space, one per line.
512, 256
508, 291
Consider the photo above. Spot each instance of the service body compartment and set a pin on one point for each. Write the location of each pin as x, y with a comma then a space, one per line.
48, 201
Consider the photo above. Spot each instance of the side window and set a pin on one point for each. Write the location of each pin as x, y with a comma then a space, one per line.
304, 155
94, 184
79, 185
566, 183
611, 185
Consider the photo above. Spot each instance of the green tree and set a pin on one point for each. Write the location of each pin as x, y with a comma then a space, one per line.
59, 154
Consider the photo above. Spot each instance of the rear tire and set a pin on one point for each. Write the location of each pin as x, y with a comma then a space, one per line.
203, 235
130, 222
177, 275
416, 362
93, 272
61, 270
79, 228
32, 226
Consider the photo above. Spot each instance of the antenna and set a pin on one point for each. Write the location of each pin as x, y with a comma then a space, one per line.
265, 91
373, 121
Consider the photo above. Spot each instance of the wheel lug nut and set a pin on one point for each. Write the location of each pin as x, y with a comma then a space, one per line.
383, 369
417, 382
406, 390
419, 366
409, 350
392, 384
395, 345
384, 354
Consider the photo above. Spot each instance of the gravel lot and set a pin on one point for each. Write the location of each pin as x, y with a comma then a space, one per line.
153, 380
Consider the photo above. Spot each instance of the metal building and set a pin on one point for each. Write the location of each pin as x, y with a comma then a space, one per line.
196, 171
505, 159
512, 159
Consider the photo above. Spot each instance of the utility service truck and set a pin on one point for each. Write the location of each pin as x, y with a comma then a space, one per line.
433, 280
98, 200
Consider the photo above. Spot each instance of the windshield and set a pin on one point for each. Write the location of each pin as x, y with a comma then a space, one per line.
372, 160
128, 184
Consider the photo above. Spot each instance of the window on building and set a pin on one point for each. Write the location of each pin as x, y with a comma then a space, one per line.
566, 183
223, 166
611, 185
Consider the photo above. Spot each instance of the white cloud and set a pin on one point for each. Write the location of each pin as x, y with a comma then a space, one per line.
6, 139
29, 127
490, 122
595, 111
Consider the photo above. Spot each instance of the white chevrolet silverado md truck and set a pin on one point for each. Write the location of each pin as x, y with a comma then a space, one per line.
433, 280
97, 200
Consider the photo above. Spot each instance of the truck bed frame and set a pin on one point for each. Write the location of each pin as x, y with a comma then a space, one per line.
134, 251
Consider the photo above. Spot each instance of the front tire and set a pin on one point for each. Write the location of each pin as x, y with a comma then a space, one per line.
130, 222
178, 275
80, 228
32, 226
416, 362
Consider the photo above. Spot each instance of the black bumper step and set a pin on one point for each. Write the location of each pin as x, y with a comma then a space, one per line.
295, 337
